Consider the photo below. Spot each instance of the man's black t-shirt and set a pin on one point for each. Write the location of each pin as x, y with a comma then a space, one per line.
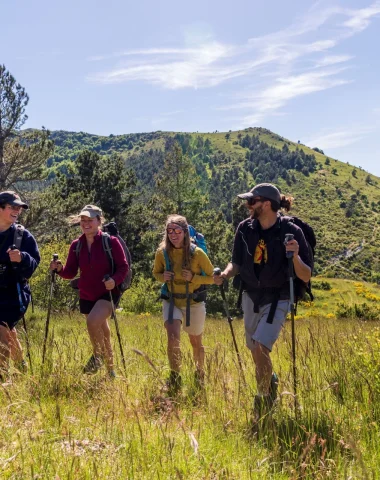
260, 256
245, 251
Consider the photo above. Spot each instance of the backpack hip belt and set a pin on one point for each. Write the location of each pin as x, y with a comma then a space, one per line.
255, 296
185, 295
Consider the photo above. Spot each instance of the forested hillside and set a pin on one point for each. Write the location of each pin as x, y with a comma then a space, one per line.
340, 201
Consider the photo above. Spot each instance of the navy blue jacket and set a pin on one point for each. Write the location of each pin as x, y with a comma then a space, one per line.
13, 273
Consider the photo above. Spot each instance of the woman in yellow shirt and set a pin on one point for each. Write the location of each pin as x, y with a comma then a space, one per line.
190, 268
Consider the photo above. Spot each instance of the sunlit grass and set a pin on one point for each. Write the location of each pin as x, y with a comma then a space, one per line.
60, 423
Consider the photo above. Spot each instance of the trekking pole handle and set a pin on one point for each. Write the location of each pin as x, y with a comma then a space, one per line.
55, 259
217, 272
14, 265
106, 277
288, 238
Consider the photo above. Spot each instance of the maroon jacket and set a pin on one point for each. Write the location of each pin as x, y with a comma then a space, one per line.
94, 265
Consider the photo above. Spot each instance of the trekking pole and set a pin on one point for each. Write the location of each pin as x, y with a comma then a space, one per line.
217, 271
52, 281
289, 256
107, 277
27, 344
22, 310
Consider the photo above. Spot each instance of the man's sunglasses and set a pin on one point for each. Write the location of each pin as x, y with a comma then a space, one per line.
253, 201
177, 231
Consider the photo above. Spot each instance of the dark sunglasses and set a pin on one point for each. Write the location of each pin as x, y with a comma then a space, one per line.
253, 201
177, 231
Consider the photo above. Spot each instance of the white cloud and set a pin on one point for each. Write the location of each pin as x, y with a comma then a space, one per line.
270, 99
333, 59
144, 52
339, 138
295, 61
194, 67
360, 19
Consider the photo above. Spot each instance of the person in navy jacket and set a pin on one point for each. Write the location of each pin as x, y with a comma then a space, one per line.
16, 267
94, 290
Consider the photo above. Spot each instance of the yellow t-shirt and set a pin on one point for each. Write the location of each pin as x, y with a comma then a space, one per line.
199, 262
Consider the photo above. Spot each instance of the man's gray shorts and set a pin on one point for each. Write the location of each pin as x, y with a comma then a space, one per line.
257, 329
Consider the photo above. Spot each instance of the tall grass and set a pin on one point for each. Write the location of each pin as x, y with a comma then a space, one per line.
59, 423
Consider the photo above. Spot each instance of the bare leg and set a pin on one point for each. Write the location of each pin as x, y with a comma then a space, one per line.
97, 324
198, 352
15, 346
107, 352
174, 352
264, 367
5, 348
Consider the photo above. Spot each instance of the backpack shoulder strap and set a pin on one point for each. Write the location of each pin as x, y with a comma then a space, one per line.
167, 260
19, 232
284, 226
77, 250
192, 248
107, 247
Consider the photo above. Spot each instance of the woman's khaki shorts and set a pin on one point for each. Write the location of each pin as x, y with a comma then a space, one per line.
197, 316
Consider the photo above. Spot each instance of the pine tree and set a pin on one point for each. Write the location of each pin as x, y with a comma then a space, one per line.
13, 100
22, 156
177, 185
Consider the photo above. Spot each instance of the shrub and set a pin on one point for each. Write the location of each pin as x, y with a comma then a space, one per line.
142, 296
360, 311
321, 285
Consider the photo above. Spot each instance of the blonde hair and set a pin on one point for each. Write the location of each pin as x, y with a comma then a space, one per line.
167, 245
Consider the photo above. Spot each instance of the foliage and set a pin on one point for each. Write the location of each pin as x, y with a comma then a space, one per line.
177, 187
341, 208
63, 296
361, 311
321, 285
25, 159
22, 156
13, 100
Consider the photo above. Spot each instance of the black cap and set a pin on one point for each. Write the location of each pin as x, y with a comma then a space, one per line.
11, 198
266, 190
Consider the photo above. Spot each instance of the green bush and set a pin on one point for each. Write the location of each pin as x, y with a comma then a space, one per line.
142, 297
63, 294
360, 311
321, 285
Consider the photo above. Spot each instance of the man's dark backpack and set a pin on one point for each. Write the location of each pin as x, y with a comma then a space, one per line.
108, 230
301, 288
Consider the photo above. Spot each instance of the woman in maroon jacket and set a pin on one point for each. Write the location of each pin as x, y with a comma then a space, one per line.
94, 297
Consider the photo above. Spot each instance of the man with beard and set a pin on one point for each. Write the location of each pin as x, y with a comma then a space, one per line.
259, 257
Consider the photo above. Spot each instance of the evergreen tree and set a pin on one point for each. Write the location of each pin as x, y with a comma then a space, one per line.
24, 159
177, 185
21, 157
13, 100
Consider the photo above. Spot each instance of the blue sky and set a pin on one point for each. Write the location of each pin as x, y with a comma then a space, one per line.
308, 71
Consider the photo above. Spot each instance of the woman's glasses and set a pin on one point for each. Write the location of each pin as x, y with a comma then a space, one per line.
177, 231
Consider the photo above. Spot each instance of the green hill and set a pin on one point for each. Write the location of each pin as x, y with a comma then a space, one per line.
340, 201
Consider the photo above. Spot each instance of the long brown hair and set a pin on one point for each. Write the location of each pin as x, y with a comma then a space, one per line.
167, 245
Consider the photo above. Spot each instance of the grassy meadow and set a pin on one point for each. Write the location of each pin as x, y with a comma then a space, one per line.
60, 424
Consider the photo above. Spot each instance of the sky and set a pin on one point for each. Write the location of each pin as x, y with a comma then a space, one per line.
308, 71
